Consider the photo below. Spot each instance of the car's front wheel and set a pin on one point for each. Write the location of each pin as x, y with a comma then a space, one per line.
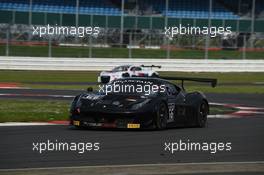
161, 116
125, 75
203, 111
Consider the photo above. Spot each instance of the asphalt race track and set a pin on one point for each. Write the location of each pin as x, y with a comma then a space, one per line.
133, 147
255, 100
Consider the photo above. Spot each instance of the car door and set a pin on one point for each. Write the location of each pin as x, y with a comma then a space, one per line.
176, 104
137, 71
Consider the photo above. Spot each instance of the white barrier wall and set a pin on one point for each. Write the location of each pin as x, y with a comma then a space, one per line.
85, 64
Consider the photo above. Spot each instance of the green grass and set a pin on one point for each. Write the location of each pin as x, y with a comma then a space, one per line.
227, 82
42, 51
47, 76
15, 110
33, 110
91, 76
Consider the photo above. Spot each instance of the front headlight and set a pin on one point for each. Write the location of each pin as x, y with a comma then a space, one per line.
140, 105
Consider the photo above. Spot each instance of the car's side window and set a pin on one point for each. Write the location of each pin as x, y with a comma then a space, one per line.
118, 69
136, 69
125, 68
171, 90
132, 69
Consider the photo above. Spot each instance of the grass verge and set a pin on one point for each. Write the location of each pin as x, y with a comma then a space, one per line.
15, 110
227, 82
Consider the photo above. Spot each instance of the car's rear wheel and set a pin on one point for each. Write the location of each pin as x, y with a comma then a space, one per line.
203, 111
161, 116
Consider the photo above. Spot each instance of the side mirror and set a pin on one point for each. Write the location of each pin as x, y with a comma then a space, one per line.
89, 89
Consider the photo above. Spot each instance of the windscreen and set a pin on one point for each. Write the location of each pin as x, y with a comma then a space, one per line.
120, 69
134, 86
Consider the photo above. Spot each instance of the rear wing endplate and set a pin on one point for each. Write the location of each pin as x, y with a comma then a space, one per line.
151, 66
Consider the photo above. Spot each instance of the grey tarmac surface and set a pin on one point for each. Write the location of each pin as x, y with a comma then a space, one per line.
132, 147
255, 100
136, 147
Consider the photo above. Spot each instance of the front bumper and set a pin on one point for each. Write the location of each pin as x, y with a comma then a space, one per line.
104, 79
112, 120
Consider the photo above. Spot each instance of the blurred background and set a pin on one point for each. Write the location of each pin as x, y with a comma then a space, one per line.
133, 28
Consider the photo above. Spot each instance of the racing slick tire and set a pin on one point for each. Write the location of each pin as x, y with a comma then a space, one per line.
161, 116
125, 75
203, 111
80, 127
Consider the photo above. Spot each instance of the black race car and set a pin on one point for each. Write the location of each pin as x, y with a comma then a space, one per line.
161, 105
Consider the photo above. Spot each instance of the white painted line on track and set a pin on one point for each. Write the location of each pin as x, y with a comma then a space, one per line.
26, 124
249, 108
136, 165
7, 87
222, 116
36, 95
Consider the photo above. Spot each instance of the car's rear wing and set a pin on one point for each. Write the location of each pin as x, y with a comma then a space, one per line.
213, 81
151, 66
